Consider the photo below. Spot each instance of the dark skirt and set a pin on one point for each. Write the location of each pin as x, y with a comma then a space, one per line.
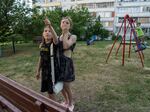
46, 77
67, 69
46, 82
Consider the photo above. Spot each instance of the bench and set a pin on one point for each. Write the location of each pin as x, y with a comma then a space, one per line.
16, 98
5, 105
128, 42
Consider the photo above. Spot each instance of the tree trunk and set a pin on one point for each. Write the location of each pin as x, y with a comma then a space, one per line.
13, 44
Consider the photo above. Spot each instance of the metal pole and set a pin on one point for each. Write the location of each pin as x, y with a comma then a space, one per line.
124, 36
136, 39
114, 43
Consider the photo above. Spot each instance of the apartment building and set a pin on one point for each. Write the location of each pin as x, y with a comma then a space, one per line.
102, 8
110, 11
48, 4
138, 9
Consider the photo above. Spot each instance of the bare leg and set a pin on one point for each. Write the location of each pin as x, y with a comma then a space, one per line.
65, 96
69, 93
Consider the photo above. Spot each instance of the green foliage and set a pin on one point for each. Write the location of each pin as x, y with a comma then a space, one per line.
37, 21
20, 20
39, 15
147, 37
114, 37
5, 13
79, 16
104, 34
15, 19
96, 28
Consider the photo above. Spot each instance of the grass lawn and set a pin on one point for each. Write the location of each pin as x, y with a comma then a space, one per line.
99, 87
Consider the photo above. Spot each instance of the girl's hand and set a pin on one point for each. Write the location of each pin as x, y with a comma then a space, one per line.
38, 76
47, 22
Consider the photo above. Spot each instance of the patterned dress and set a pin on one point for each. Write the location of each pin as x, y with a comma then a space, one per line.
66, 64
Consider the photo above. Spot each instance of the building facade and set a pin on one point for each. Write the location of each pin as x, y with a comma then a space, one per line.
49, 4
110, 11
102, 8
137, 9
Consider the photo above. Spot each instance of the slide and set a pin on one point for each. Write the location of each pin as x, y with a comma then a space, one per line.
92, 39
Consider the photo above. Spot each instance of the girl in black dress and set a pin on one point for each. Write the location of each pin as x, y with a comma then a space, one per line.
44, 65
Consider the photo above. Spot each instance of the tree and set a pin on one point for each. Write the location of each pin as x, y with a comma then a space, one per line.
81, 19
104, 34
96, 28
5, 13
79, 16
13, 19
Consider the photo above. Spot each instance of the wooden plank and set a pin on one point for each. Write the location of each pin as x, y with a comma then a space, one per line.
8, 106
17, 99
128, 42
13, 91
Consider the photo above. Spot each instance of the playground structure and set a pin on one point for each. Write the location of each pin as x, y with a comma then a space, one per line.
91, 40
127, 23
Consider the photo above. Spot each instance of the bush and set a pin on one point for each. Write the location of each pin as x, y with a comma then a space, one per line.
147, 37
114, 37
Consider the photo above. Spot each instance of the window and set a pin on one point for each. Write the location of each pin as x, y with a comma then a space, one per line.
129, 10
91, 6
107, 24
108, 14
41, 1
105, 14
144, 20
120, 19
146, 9
133, 0
105, 5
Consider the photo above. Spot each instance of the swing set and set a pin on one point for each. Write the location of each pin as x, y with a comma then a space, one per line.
127, 23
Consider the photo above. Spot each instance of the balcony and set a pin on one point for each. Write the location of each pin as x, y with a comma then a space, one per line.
145, 25
126, 4
102, 9
109, 28
50, 4
140, 14
107, 19
92, 1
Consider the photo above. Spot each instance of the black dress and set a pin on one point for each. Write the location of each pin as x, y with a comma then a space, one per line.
46, 78
66, 64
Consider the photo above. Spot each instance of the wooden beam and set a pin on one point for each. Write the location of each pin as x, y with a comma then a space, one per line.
26, 99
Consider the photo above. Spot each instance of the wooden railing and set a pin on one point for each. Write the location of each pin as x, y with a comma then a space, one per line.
16, 98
